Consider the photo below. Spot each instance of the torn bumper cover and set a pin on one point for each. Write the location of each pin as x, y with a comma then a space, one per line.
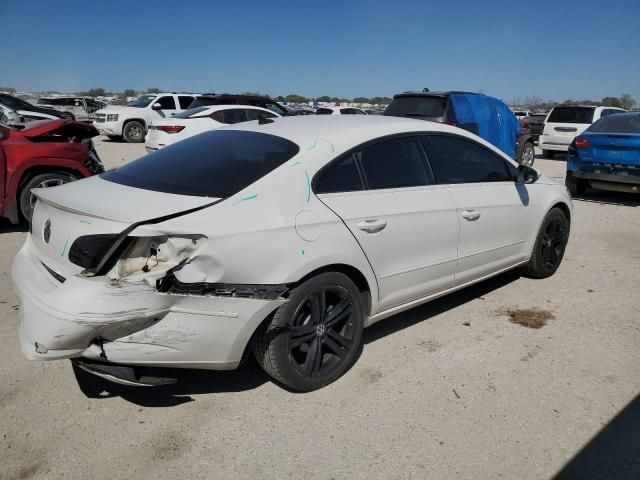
133, 323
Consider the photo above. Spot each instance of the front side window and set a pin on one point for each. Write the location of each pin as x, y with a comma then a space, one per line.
258, 114
324, 111
394, 163
347, 111
455, 159
166, 103
185, 101
341, 176
234, 115
217, 163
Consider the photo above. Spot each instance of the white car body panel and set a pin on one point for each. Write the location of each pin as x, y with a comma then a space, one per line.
558, 136
276, 231
125, 113
201, 122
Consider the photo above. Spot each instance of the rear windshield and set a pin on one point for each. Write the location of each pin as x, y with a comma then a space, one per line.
218, 164
620, 123
418, 106
324, 111
189, 113
571, 115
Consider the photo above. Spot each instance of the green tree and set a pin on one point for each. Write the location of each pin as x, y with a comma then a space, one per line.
8, 89
294, 98
153, 90
129, 92
361, 100
324, 98
627, 102
94, 92
611, 102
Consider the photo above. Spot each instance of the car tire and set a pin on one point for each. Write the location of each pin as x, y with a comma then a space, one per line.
548, 154
134, 132
305, 346
114, 138
575, 186
26, 200
68, 116
527, 155
550, 244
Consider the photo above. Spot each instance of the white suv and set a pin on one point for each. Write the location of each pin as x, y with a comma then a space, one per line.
130, 122
563, 124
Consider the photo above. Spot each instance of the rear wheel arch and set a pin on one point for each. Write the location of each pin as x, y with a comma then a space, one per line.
355, 275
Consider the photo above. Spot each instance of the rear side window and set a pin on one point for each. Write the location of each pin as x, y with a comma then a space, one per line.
216, 163
418, 106
340, 176
234, 115
571, 115
394, 163
185, 101
167, 103
627, 123
458, 160
191, 112
324, 111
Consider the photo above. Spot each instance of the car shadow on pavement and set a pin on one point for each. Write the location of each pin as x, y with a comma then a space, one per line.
250, 376
609, 198
436, 307
189, 382
613, 453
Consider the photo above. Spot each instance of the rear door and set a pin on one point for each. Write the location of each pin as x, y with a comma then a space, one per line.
491, 208
406, 225
565, 123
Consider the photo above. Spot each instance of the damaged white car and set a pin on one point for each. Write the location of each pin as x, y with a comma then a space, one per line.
282, 237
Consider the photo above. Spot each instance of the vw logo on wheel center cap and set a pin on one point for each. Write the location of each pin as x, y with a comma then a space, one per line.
46, 232
321, 329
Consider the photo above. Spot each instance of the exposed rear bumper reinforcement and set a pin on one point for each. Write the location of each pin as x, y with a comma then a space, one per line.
121, 374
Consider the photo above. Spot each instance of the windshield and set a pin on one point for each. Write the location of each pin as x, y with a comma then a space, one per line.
142, 101
190, 113
618, 123
571, 115
14, 103
418, 106
217, 163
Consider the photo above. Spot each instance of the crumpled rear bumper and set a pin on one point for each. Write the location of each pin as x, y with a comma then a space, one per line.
129, 323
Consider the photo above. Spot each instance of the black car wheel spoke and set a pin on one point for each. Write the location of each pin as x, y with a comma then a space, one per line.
320, 336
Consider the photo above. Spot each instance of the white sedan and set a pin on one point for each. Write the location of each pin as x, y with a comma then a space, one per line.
169, 130
284, 238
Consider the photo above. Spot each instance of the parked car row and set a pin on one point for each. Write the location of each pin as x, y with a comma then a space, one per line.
73, 108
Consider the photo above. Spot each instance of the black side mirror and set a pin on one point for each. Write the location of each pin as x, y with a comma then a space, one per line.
527, 174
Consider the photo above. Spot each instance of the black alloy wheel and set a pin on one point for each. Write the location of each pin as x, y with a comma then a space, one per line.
313, 339
550, 245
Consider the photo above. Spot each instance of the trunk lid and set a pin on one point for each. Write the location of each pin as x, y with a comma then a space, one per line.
612, 148
64, 213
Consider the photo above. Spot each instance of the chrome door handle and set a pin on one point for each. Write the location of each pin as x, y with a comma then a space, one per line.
471, 215
372, 226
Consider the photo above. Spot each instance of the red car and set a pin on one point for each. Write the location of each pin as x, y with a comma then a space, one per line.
44, 154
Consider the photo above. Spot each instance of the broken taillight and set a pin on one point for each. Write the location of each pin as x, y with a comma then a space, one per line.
171, 128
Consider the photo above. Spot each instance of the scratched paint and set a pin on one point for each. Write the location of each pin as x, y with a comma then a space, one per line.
64, 249
295, 163
302, 251
308, 186
315, 144
84, 221
248, 197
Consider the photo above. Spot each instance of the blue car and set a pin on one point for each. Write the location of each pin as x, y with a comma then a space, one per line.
606, 156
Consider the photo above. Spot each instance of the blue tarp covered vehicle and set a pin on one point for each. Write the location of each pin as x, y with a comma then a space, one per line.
483, 115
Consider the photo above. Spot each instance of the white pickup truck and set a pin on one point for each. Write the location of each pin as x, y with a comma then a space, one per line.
130, 122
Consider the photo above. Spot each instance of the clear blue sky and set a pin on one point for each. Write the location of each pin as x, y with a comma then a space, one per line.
555, 49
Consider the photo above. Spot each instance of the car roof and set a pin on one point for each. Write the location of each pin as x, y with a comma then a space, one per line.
442, 94
343, 132
232, 95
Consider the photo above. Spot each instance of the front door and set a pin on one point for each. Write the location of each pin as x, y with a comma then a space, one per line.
406, 226
491, 207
